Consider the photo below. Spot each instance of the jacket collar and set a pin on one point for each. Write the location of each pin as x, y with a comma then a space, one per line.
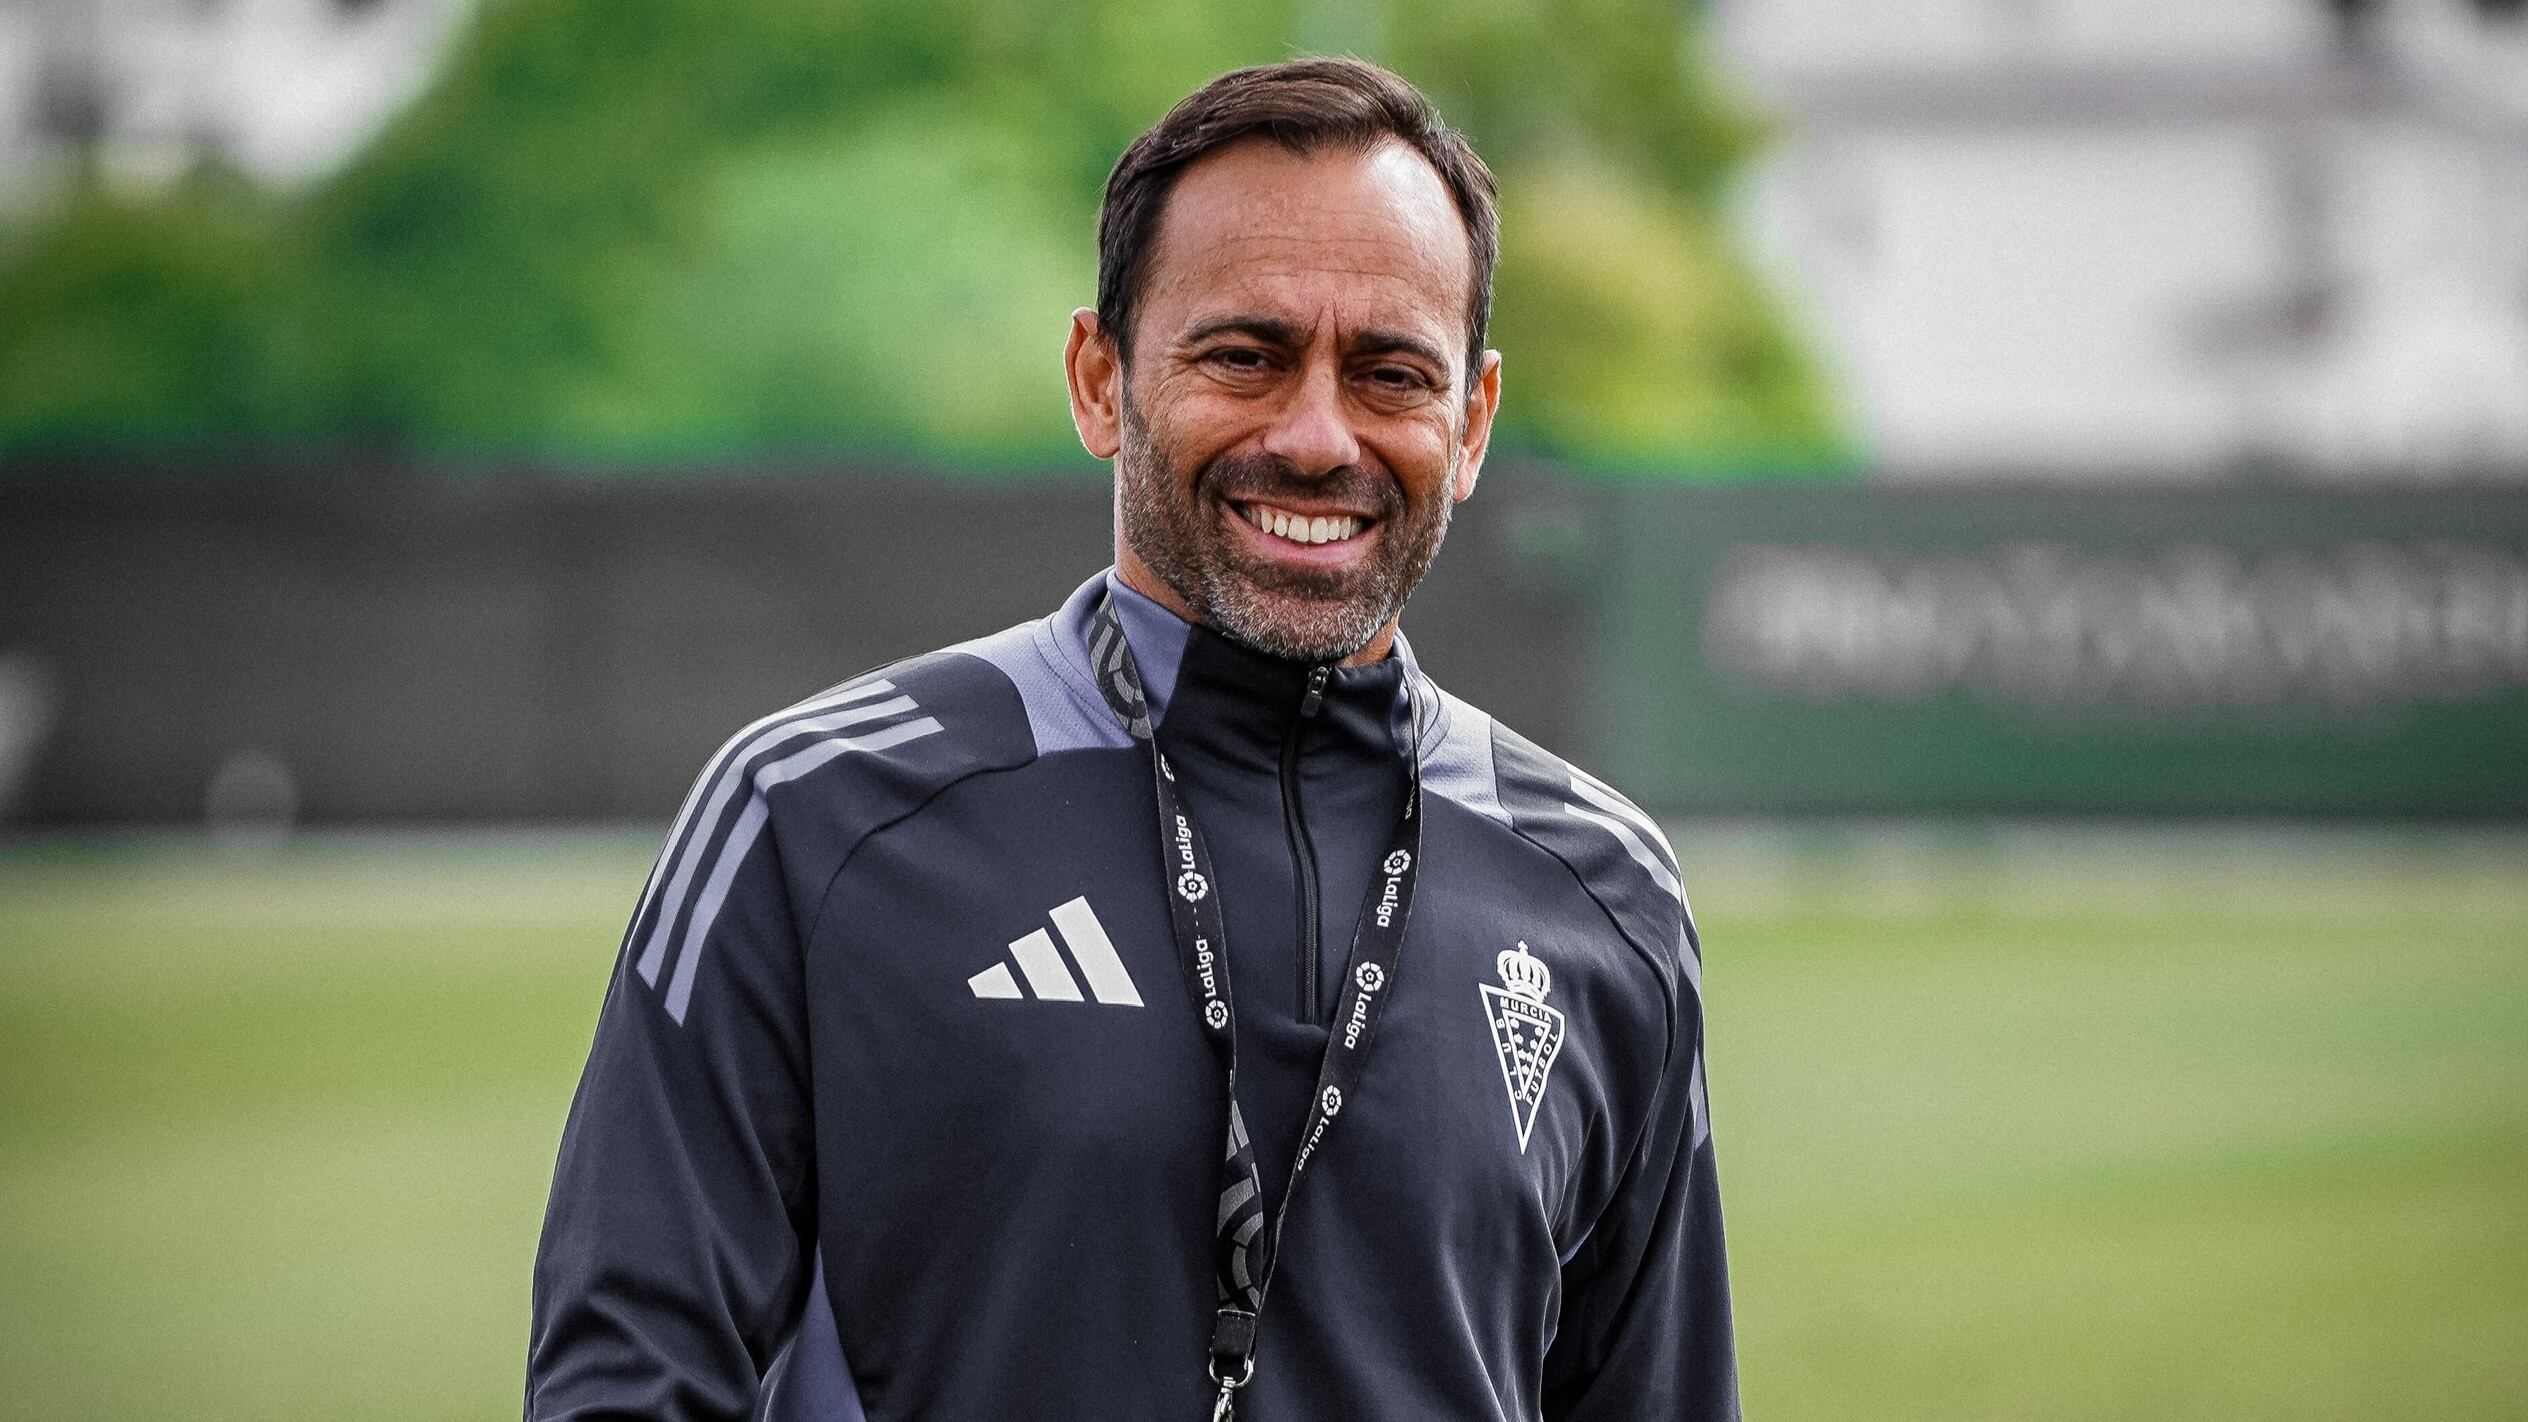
1211, 695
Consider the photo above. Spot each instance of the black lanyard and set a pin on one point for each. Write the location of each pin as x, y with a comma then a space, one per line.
1245, 1249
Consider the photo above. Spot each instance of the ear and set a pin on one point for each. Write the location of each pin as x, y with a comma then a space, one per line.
1096, 373
1482, 403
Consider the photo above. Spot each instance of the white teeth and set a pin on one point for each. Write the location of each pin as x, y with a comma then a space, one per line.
1300, 528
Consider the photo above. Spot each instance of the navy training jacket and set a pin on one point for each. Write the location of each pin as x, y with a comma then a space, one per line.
898, 1108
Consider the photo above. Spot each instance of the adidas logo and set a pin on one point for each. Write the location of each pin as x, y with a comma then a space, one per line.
1048, 978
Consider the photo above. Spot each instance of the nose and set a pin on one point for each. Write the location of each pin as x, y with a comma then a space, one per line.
1312, 433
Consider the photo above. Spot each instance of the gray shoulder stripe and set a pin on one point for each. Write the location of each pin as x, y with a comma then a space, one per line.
1700, 1103
1640, 835
709, 799
1615, 851
1460, 766
732, 753
1642, 853
1597, 792
766, 754
1061, 716
750, 824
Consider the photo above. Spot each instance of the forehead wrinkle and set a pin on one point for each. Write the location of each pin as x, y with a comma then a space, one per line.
1382, 328
1249, 230
1415, 250
1280, 289
1367, 255
1391, 186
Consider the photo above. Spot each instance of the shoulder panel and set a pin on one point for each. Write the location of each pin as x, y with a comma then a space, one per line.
1459, 766
1064, 711
822, 774
1618, 851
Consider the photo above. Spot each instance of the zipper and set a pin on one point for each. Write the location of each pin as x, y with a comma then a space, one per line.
1303, 857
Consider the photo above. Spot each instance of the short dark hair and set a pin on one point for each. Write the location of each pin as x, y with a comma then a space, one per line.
1304, 105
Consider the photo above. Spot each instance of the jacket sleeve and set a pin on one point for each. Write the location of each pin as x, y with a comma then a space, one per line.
677, 1243
1645, 1331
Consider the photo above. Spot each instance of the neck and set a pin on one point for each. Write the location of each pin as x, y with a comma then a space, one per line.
1137, 576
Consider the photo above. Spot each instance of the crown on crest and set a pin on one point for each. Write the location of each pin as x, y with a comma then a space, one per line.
1523, 973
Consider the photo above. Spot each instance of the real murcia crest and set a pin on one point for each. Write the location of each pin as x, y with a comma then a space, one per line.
1526, 1034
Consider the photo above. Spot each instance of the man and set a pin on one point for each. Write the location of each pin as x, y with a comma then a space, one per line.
1177, 1006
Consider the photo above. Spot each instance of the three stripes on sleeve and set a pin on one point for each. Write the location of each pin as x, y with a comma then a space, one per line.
690, 883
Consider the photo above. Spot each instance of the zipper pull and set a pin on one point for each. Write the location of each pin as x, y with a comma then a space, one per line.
1316, 690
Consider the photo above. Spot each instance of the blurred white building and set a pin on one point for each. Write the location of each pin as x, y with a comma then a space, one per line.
145, 89
2156, 239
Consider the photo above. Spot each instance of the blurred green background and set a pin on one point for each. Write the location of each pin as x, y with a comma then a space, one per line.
2040, 1126
626, 232
2153, 1117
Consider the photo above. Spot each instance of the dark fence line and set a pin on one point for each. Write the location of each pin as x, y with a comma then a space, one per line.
408, 649
376, 645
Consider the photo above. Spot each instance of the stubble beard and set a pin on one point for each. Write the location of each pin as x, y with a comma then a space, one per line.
1178, 527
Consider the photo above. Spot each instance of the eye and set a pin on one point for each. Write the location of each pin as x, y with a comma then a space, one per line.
1396, 381
1238, 360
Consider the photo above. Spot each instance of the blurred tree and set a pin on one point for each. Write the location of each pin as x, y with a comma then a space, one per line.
646, 232
148, 326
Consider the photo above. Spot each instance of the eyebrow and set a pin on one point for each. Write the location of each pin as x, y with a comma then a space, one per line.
1268, 329
1379, 340
1272, 330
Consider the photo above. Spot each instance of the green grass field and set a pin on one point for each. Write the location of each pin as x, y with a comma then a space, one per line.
2196, 1132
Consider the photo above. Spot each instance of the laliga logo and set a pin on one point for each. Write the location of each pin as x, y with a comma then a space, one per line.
1395, 866
1371, 977
1192, 886
1332, 1101
1216, 1013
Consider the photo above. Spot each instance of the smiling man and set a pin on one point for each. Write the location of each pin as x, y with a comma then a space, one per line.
1177, 1006
1312, 358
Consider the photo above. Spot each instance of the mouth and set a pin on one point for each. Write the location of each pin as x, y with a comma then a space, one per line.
1292, 531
